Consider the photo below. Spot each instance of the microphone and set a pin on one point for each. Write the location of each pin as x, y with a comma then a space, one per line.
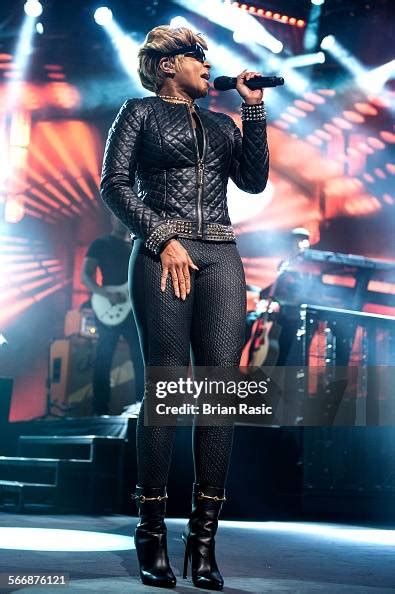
224, 83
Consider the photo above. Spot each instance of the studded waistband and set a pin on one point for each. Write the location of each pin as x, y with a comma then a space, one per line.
188, 230
211, 231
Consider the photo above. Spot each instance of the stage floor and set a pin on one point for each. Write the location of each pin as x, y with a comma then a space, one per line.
274, 557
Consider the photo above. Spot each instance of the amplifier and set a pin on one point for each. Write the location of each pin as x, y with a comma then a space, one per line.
71, 371
80, 322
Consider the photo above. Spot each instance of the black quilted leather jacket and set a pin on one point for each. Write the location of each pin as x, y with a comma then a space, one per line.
178, 194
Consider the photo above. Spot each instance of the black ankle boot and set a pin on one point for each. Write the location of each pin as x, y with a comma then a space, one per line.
199, 536
150, 538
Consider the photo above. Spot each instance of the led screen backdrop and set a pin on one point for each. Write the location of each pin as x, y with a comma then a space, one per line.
331, 140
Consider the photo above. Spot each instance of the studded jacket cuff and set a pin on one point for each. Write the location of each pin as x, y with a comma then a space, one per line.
253, 113
160, 235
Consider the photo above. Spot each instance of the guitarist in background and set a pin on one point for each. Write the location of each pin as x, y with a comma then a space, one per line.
110, 254
289, 288
270, 338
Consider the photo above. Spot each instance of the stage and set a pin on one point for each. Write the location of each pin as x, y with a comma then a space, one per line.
334, 474
147, 214
272, 557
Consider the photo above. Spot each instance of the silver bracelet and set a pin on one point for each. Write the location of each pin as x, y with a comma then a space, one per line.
253, 113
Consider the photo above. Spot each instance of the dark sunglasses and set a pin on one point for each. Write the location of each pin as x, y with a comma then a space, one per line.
194, 51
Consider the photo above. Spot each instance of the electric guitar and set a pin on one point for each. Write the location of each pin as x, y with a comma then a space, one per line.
108, 314
262, 348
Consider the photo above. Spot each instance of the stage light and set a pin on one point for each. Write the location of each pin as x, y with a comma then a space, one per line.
374, 80
277, 48
234, 19
103, 16
243, 37
387, 136
244, 34
127, 48
304, 60
369, 81
268, 14
317, 2
328, 42
40, 28
179, 21
33, 8
240, 37
13, 211
22, 55
345, 58
310, 40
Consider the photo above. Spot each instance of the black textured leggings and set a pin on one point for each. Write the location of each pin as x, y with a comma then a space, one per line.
212, 321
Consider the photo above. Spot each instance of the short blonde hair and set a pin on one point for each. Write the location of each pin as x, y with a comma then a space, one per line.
160, 41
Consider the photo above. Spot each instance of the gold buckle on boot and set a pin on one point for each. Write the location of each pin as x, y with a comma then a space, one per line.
143, 498
201, 495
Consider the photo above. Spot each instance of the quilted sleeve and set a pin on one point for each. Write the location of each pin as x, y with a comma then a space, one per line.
118, 178
250, 161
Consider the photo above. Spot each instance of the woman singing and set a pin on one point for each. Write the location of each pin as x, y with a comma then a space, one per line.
186, 276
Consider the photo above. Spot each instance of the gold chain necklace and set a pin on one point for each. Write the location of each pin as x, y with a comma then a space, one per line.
173, 99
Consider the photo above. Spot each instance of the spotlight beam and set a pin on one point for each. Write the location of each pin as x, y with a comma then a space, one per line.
304, 60
310, 40
23, 50
222, 55
374, 80
126, 47
232, 18
342, 55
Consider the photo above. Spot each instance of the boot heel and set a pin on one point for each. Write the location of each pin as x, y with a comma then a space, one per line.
186, 559
199, 537
150, 538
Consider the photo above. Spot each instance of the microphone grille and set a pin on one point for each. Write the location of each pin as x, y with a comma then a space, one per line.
222, 83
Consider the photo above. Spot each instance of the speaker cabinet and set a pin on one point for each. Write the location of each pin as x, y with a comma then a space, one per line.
71, 371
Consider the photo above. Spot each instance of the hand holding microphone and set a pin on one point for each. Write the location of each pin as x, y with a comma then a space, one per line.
249, 85
250, 96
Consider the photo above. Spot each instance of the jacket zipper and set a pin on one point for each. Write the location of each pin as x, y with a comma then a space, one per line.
199, 174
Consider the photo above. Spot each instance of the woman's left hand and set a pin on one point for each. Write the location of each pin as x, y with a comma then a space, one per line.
250, 97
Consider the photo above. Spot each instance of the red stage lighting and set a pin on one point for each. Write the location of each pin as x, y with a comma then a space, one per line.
269, 14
